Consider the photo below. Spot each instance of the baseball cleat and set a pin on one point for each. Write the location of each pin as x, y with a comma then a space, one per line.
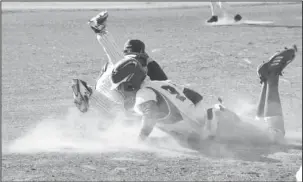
214, 18
98, 23
237, 17
276, 63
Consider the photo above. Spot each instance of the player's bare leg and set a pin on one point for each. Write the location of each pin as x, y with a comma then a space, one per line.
269, 73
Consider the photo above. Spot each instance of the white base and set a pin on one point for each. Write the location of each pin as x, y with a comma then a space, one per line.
226, 21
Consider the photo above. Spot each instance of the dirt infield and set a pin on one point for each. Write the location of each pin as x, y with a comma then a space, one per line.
42, 52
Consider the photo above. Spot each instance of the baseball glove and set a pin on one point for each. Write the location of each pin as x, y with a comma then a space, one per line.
81, 93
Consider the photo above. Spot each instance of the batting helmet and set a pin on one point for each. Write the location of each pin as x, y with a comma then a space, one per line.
134, 46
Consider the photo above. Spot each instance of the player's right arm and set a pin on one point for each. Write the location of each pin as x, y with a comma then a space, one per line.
146, 106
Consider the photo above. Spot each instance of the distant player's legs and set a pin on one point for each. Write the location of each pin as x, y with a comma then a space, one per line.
226, 11
212, 8
214, 12
270, 106
220, 9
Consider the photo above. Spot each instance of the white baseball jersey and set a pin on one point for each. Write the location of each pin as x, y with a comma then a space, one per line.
180, 114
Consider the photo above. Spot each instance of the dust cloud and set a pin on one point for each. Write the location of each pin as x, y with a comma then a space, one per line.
89, 133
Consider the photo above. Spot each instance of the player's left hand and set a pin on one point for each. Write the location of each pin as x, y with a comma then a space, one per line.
98, 22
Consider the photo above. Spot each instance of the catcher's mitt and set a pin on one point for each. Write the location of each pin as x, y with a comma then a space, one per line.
81, 93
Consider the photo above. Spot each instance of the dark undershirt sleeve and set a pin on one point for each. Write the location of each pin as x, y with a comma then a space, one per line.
155, 72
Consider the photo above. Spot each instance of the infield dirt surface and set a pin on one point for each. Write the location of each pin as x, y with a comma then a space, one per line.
43, 50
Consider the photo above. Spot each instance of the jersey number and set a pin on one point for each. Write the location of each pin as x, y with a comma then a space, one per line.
173, 91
